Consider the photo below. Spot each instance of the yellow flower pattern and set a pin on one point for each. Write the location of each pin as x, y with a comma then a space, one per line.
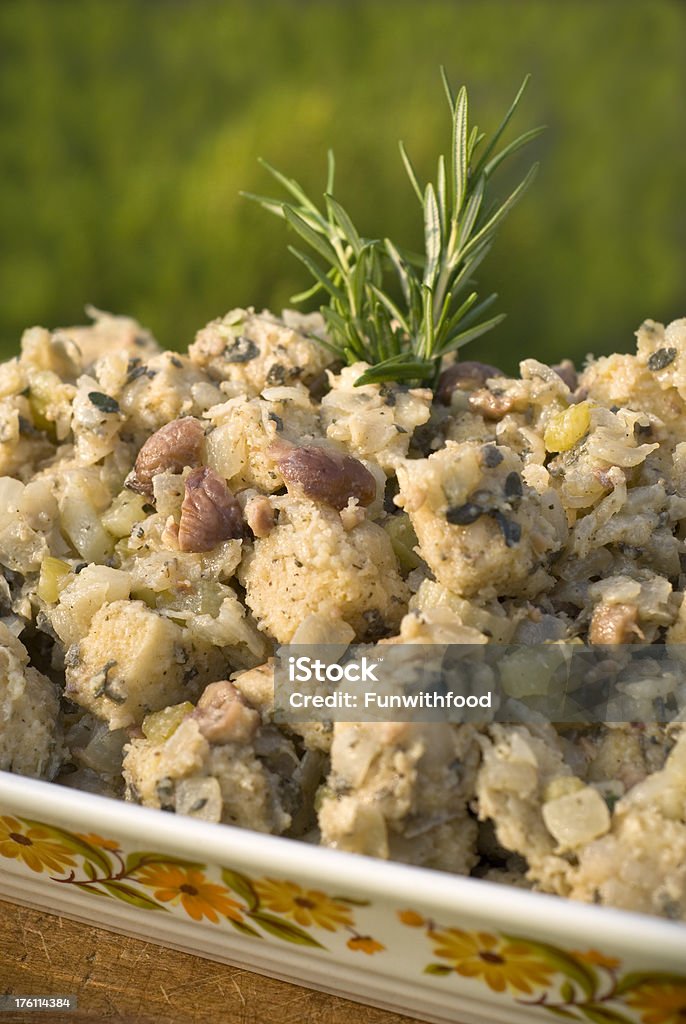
305, 906
262, 908
660, 1003
500, 963
198, 897
33, 845
581, 985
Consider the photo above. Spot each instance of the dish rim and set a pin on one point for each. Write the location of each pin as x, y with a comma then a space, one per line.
220, 844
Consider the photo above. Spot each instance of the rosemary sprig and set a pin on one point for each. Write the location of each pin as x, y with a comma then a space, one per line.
439, 311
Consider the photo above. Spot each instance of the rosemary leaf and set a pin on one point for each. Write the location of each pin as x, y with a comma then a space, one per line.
500, 214
460, 151
392, 308
498, 133
322, 279
432, 236
458, 340
411, 173
516, 144
320, 245
345, 223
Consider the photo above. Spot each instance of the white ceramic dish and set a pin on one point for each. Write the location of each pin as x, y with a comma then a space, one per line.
420, 942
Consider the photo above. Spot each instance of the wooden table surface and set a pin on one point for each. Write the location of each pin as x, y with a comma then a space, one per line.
129, 981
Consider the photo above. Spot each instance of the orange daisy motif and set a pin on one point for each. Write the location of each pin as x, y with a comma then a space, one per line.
502, 964
189, 887
364, 944
305, 906
95, 840
592, 956
659, 1002
34, 845
411, 918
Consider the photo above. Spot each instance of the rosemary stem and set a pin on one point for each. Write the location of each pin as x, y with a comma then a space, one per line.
404, 340
441, 287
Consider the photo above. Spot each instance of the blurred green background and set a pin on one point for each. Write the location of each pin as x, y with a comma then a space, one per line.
128, 128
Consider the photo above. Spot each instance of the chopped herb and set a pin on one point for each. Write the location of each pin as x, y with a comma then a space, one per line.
136, 371
114, 695
513, 485
149, 509
660, 358
391, 488
27, 428
102, 402
176, 362
276, 419
464, 515
165, 793
376, 624
511, 531
491, 456
277, 374
241, 350
105, 687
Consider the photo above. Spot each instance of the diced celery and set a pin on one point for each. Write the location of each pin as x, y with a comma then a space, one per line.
145, 594
403, 540
53, 572
566, 428
45, 386
126, 510
529, 672
160, 725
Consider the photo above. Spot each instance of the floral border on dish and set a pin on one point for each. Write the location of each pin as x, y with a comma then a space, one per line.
576, 985
580, 985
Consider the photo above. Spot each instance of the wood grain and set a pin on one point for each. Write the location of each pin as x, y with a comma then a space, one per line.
128, 981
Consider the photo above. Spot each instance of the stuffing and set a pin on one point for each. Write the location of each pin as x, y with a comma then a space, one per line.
168, 522
311, 563
30, 730
132, 661
257, 350
481, 527
219, 762
374, 421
